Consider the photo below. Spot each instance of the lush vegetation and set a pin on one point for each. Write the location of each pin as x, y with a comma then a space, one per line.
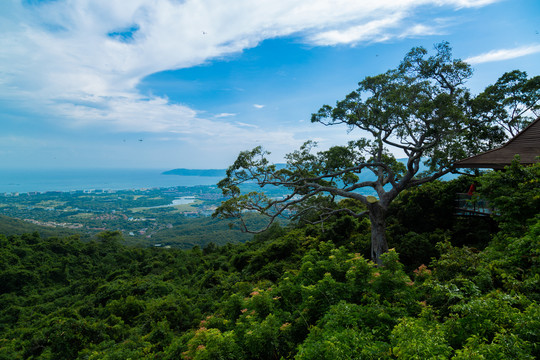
452, 288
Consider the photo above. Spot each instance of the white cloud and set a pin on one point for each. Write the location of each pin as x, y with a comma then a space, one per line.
222, 115
374, 30
258, 106
136, 114
504, 54
470, 3
80, 61
246, 125
420, 30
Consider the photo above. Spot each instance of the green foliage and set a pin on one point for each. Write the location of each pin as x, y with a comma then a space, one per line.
490, 326
514, 193
514, 263
503, 347
291, 293
421, 218
210, 344
12, 226
511, 103
341, 334
420, 338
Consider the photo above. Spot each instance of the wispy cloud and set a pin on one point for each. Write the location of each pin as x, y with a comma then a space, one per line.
471, 3
417, 30
79, 62
504, 54
258, 106
224, 115
375, 30
246, 125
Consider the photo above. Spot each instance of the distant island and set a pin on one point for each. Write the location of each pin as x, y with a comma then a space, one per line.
196, 172
206, 172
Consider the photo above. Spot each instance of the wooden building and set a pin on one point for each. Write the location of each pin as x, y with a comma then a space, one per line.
526, 144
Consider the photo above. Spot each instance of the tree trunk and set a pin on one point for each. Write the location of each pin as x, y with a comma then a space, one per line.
377, 217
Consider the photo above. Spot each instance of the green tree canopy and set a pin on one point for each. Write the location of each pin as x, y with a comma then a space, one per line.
511, 103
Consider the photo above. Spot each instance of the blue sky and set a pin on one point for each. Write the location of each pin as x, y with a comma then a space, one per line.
169, 83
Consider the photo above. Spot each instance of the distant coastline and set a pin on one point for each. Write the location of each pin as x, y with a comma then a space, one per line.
196, 172
65, 180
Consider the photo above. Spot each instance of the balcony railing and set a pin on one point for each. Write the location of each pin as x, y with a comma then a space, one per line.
472, 205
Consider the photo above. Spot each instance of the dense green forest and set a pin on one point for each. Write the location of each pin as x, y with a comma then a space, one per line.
451, 287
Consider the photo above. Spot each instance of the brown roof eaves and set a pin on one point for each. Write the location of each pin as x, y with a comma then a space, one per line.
526, 144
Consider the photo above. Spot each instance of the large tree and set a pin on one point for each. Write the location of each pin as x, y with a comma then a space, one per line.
420, 109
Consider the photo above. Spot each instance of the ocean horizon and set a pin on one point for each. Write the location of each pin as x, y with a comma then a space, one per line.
42, 180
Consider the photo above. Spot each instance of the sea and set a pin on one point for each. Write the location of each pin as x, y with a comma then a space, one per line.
24, 181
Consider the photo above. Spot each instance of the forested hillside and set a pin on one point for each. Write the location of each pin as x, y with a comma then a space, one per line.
450, 288
14, 226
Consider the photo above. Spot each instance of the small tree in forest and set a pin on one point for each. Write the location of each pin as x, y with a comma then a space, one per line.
420, 109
